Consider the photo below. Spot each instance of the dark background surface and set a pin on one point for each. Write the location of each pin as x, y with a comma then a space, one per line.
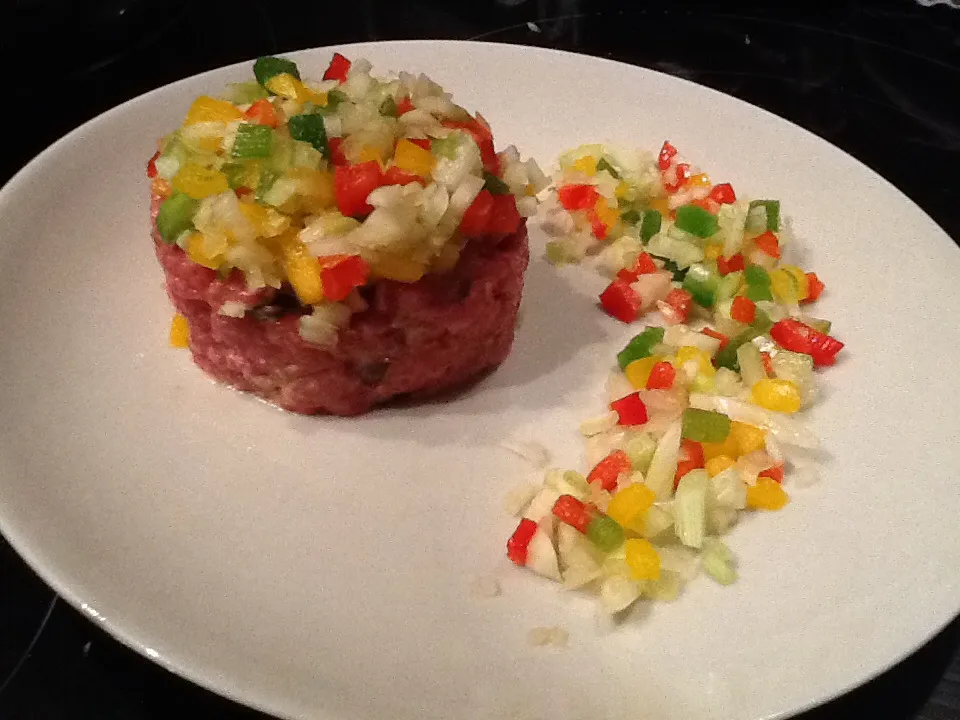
878, 78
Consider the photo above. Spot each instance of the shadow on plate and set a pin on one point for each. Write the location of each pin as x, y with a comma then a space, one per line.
555, 326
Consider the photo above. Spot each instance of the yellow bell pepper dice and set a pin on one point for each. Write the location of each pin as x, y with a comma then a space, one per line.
587, 165
199, 182
208, 109
394, 267
629, 505
304, 273
638, 372
776, 394
642, 559
767, 494
716, 465
198, 251
748, 437
414, 159
730, 447
607, 214
287, 86
179, 332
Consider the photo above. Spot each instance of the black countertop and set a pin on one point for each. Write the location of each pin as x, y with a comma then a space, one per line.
878, 78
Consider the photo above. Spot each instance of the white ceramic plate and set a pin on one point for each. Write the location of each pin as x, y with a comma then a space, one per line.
319, 567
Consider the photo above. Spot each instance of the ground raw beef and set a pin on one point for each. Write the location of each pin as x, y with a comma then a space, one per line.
414, 339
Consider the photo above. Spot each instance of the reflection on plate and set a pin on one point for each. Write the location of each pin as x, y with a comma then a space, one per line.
321, 567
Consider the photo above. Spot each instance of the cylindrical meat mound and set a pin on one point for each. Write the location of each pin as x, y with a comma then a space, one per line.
333, 245
414, 339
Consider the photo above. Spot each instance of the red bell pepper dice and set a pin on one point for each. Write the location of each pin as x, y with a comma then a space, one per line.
608, 470
336, 151
353, 183
681, 301
338, 68
399, 176
339, 274
504, 217
743, 310
573, 512
621, 301
578, 197
262, 113
662, 376
667, 153
815, 288
723, 194
768, 243
631, 410
710, 332
793, 335
519, 542
152, 165
477, 216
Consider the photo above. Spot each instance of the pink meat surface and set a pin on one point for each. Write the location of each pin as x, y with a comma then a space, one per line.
414, 339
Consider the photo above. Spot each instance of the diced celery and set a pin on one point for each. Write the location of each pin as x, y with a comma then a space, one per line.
663, 466
704, 426
718, 562
729, 284
732, 219
689, 507
702, 282
568, 482
657, 522
446, 147
816, 323
175, 154
245, 93
306, 156
771, 213
665, 589
281, 191
252, 141
797, 368
605, 533
617, 593
751, 364
281, 153
267, 178
728, 490
681, 252
756, 219
176, 216
640, 449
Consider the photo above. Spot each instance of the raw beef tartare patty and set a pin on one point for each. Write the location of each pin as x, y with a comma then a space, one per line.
331, 246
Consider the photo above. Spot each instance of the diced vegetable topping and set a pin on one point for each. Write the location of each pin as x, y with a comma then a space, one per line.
267, 67
702, 398
387, 176
176, 216
310, 129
